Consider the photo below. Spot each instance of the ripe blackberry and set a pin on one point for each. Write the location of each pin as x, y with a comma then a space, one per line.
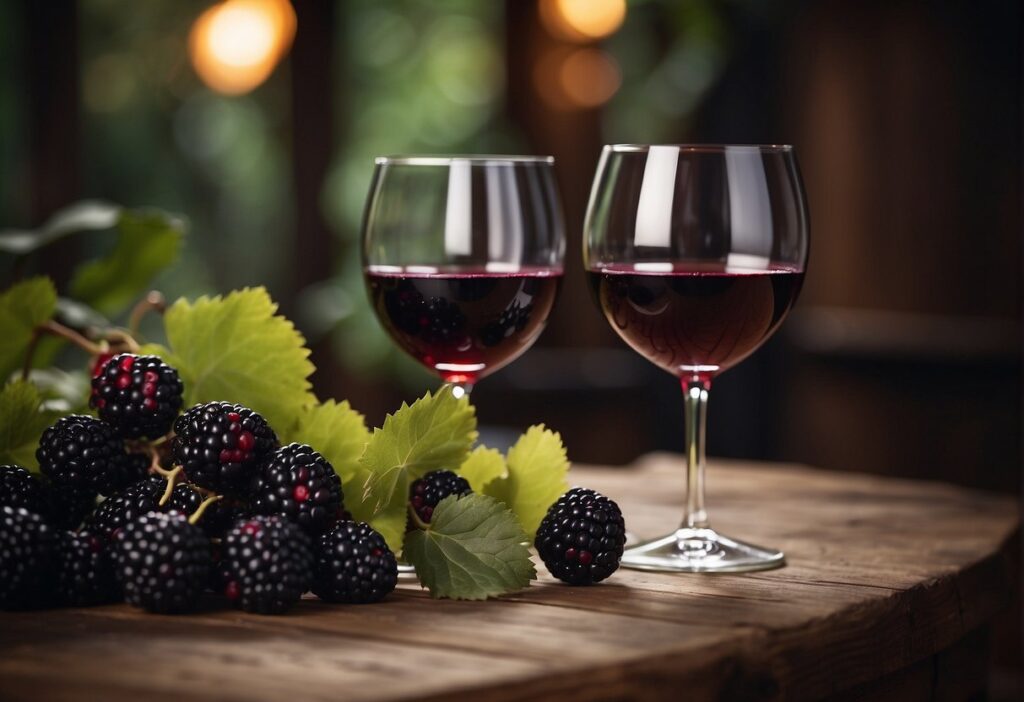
116, 512
162, 563
581, 538
26, 558
299, 484
425, 493
84, 571
69, 504
266, 564
354, 565
221, 446
81, 451
19, 488
138, 395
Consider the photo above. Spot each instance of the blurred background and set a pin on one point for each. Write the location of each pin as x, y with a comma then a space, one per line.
258, 120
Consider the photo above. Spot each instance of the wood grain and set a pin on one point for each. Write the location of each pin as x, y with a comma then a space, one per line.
889, 583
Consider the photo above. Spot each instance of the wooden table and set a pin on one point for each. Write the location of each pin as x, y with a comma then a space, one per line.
888, 593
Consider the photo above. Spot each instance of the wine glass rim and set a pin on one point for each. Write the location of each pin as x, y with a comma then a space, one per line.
447, 160
702, 148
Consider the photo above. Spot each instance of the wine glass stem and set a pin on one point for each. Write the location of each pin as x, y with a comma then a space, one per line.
695, 395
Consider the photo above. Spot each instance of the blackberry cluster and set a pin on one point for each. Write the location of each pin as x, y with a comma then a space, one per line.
266, 564
428, 491
26, 558
581, 538
221, 446
84, 572
116, 512
162, 563
84, 453
140, 396
299, 484
354, 565
19, 488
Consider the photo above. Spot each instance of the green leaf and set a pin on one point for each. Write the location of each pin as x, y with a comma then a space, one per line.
22, 422
335, 430
236, 348
23, 307
434, 432
88, 215
147, 242
473, 549
537, 469
482, 466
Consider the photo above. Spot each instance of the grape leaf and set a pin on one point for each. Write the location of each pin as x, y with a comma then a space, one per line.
435, 431
236, 348
22, 307
147, 242
537, 468
473, 549
22, 422
335, 430
482, 466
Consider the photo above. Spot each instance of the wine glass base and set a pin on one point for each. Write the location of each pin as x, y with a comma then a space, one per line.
689, 550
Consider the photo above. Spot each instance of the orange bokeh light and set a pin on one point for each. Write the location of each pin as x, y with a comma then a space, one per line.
235, 45
582, 20
573, 79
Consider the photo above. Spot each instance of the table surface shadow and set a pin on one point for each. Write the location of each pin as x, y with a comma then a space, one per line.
882, 575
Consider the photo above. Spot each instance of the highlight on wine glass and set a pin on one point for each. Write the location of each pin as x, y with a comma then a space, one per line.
462, 257
695, 254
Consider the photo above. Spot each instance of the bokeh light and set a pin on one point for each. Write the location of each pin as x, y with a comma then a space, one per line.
582, 20
236, 44
573, 79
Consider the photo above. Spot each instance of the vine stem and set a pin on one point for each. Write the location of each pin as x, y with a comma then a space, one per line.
416, 519
198, 514
171, 476
154, 301
56, 329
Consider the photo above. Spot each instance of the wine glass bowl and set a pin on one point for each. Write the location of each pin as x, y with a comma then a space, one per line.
695, 254
462, 258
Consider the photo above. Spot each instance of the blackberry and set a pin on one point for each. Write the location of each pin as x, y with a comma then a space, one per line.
266, 564
221, 446
215, 519
299, 484
84, 571
162, 563
138, 395
425, 493
116, 512
19, 488
26, 558
81, 451
581, 538
354, 565
69, 504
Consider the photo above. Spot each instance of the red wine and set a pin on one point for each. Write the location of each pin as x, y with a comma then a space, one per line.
464, 324
695, 321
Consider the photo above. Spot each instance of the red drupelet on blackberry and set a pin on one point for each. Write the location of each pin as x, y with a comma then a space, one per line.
162, 563
581, 538
115, 512
353, 565
221, 446
138, 395
26, 558
425, 493
83, 452
297, 483
266, 564
84, 571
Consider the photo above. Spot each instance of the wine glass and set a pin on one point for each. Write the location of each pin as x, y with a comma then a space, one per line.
462, 257
695, 254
